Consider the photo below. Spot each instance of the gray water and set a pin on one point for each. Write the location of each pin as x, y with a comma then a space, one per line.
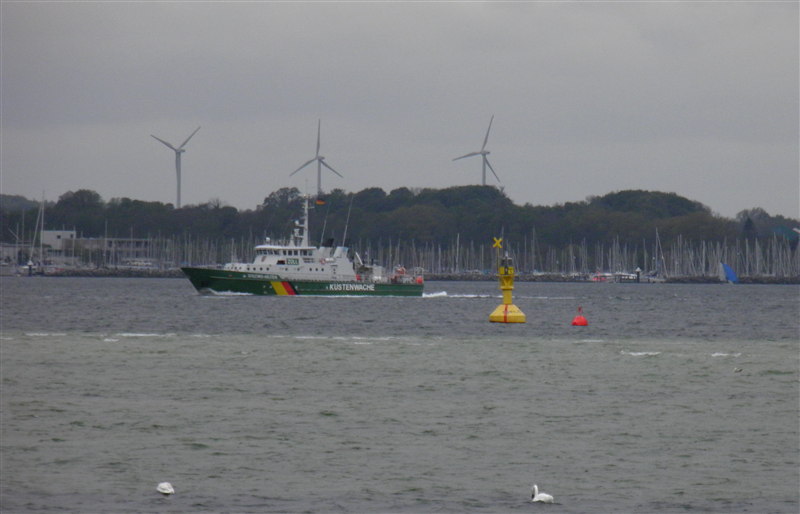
675, 398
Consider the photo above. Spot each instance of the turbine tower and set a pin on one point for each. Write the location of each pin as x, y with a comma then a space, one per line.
178, 151
483, 153
320, 163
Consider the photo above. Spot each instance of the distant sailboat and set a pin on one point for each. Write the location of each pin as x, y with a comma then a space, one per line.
37, 268
659, 274
726, 274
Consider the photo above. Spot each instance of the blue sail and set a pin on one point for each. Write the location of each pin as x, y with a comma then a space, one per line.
727, 274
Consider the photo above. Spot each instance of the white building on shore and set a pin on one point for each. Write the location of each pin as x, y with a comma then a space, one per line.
63, 248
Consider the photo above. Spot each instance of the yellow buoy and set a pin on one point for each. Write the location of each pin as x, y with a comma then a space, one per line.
507, 312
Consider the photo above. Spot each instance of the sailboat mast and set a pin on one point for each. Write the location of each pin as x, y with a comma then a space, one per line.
36, 230
41, 233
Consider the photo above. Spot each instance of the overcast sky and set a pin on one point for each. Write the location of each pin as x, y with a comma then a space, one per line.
700, 99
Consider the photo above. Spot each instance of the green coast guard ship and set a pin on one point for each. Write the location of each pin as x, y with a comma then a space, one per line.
297, 268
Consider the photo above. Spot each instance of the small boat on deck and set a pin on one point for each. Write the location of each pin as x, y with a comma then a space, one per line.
297, 268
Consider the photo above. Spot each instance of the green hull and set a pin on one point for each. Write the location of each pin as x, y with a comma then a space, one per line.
226, 281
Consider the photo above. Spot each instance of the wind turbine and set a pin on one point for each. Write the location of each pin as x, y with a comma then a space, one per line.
320, 163
483, 153
178, 151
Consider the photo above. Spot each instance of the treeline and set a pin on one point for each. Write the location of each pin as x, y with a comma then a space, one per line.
619, 229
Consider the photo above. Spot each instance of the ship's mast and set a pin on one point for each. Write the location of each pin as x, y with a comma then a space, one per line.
305, 224
300, 233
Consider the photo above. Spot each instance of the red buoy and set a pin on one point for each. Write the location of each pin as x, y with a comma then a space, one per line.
579, 320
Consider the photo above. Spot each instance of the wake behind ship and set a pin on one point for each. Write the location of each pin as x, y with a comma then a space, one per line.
297, 268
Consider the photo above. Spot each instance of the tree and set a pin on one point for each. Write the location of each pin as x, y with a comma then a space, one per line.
125, 216
648, 203
82, 210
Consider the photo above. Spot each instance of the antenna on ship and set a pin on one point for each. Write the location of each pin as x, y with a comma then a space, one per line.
347, 222
325, 220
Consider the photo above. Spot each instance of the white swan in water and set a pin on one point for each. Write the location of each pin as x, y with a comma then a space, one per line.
536, 496
165, 488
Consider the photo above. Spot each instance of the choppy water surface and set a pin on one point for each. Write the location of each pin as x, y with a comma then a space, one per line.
675, 398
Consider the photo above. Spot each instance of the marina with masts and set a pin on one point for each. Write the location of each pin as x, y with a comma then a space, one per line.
769, 259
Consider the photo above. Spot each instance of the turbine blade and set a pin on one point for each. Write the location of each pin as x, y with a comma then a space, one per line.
169, 145
188, 138
319, 128
472, 154
303, 166
486, 139
333, 170
490, 167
